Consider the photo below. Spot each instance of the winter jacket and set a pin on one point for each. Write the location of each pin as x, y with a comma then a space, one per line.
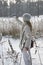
26, 37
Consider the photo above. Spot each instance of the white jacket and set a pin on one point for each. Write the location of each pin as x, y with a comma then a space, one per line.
26, 37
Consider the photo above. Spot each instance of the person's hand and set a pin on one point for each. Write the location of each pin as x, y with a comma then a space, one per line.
25, 49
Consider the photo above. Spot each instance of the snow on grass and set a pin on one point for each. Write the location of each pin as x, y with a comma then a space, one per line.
15, 44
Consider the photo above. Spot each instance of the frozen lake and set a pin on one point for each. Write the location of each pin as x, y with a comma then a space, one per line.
7, 59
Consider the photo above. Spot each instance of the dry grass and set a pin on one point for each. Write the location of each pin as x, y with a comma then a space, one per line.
10, 26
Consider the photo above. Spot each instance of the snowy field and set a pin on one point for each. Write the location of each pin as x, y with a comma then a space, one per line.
6, 58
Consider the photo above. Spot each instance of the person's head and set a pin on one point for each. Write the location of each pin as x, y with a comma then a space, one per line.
26, 19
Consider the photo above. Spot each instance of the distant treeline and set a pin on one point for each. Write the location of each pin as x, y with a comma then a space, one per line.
17, 9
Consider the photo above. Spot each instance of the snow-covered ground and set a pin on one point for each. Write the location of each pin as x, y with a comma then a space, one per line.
7, 59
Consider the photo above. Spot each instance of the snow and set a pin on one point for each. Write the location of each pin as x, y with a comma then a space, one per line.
6, 58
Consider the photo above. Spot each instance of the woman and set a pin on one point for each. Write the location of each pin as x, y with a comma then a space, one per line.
26, 37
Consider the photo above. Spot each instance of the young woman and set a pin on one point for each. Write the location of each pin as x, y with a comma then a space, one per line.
26, 38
